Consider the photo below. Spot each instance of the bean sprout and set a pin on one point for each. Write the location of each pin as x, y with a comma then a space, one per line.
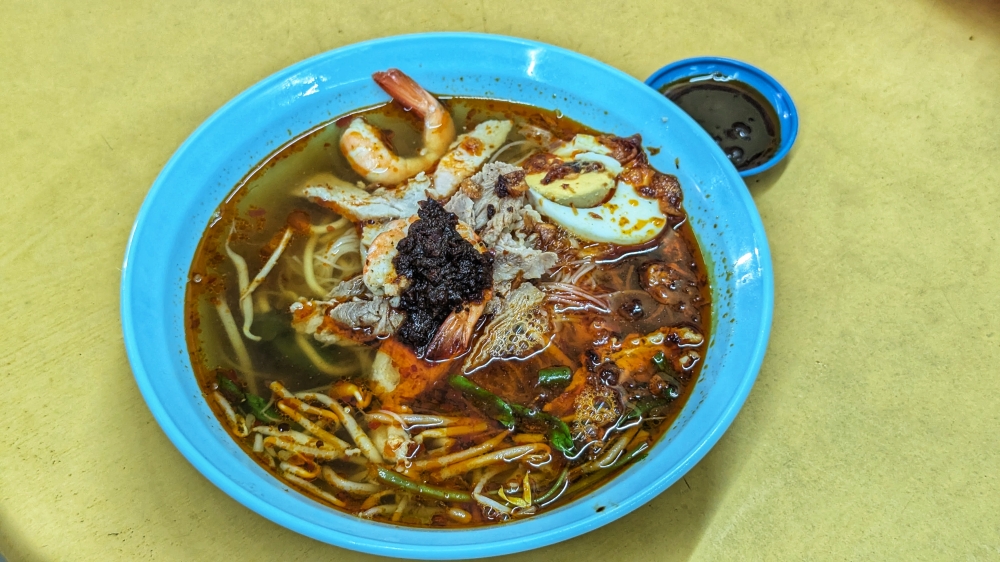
340, 483
314, 489
484, 447
233, 333
268, 266
485, 501
243, 279
504, 455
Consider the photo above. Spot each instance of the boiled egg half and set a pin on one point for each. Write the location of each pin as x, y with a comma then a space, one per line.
580, 202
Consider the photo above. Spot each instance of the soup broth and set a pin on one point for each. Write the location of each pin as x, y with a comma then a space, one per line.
546, 385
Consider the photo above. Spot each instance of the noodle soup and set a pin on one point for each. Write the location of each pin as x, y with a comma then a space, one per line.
449, 311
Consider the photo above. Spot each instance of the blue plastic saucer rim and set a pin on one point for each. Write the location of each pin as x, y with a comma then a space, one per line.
771, 89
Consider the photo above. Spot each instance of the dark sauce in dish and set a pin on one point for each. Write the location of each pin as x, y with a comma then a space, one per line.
738, 117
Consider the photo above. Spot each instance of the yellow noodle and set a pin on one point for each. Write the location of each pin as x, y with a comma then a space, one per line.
308, 272
311, 427
317, 360
453, 431
309, 409
503, 455
313, 451
373, 499
523, 438
485, 446
299, 471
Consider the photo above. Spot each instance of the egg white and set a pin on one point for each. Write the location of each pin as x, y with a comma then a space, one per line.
627, 218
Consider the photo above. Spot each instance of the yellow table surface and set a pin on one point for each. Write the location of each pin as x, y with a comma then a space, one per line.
873, 431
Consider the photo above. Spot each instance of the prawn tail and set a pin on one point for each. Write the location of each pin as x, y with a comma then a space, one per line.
406, 91
455, 333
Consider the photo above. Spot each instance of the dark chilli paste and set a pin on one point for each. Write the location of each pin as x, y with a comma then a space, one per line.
445, 272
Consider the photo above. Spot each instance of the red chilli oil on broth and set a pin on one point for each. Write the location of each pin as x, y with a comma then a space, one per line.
449, 312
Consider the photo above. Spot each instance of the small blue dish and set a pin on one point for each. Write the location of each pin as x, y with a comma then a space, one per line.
723, 70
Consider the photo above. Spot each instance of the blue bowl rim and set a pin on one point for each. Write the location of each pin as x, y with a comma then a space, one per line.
504, 546
777, 95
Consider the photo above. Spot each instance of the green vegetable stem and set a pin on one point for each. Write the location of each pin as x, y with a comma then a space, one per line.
397, 480
507, 414
662, 365
554, 488
261, 410
558, 434
247, 402
498, 408
556, 376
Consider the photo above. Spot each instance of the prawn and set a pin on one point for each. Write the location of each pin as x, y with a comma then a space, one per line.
467, 155
400, 375
381, 277
368, 154
455, 333
469, 152
407, 374
379, 272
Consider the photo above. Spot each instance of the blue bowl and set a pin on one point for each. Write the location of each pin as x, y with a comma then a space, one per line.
729, 69
298, 99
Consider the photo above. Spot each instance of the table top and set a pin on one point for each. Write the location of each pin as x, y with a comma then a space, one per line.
873, 431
